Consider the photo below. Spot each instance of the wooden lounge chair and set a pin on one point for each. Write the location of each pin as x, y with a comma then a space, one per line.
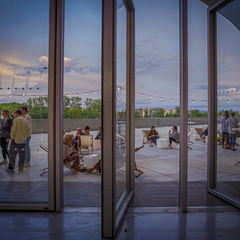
121, 140
199, 132
138, 172
145, 133
68, 164
188, 137
86, 144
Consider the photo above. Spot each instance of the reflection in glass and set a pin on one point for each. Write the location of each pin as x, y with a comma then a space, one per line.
121, 101
228, 72
24, 82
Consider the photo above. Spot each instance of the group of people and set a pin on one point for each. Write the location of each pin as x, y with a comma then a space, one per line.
228, 125
16, 131
72, 143
173, 136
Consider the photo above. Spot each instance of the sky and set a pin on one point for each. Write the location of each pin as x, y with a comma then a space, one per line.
24, 49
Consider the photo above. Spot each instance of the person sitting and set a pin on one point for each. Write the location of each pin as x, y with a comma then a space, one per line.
77, 139
69, 154
153, 136
97, 166
87, 130
204, 134
99, 134
174, 136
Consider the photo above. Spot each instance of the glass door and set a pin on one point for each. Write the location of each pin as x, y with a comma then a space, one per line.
117, 113
30, 73
223, 146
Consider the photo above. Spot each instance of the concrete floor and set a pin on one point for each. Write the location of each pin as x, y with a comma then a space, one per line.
204, 225
157, 164
140, 223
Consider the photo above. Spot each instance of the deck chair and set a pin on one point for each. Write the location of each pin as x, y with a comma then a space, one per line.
145, 133
138, 172
74, 133
188, 137
68, 164
121, 140
199, 132
86, 144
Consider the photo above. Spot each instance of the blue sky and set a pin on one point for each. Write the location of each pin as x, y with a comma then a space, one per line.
24, 50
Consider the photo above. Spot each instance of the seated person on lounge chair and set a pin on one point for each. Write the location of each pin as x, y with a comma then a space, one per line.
87, 130
99, 134
152, 136
69, 154
174, 136
77, 140
205, 133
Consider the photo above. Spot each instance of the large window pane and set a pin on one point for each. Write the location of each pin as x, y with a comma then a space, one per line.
228, 72
157, 102
82, 99
24, 27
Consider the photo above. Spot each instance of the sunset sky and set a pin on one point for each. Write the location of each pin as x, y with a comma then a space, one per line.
24, 52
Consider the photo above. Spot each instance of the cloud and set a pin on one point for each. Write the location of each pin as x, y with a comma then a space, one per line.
43, 60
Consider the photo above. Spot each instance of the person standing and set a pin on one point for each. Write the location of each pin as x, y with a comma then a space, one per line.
19, 133
27, 143
5, 127
231, 123
224, 127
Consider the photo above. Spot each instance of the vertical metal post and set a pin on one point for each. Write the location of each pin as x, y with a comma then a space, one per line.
183, 154
212, 101
130, 99
55, 101
108, 118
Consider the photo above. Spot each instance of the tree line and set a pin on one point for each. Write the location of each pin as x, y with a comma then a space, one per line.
72, 107
160, 113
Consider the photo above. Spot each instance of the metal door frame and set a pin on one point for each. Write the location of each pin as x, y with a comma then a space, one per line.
111, 216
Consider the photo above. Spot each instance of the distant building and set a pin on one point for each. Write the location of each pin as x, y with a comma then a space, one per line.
169, 111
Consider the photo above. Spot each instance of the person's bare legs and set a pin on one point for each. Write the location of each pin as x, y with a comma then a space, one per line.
89, 170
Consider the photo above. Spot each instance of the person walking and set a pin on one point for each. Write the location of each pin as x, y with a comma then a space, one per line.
27, 143
232, 123
19, 133
224, 127
5, 127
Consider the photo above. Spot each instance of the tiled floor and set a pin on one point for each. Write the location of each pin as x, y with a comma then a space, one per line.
209, 225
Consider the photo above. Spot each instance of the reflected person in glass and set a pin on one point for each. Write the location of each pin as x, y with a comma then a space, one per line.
232, 123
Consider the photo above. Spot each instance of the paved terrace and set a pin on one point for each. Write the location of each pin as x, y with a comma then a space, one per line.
158, 165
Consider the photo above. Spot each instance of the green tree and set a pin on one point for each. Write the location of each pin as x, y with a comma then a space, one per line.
137, 114
159, 113
177, 109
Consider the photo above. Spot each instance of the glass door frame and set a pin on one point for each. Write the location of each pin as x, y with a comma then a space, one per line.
112, 215
55, 85
212, 102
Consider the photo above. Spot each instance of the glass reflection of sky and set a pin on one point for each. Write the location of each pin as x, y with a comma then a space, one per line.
24, 50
